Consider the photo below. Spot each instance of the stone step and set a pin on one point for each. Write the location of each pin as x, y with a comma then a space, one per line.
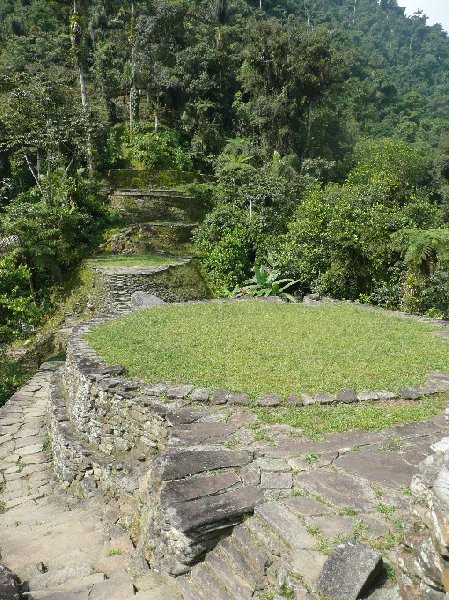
252, 550
76, 589
188, 589
237, 587
198, 487
286, 525
203, 578
207, 516
267, 537
177, 464
232, 553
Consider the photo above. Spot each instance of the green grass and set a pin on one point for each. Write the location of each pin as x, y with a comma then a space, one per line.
368, 416
258, 347
130, 260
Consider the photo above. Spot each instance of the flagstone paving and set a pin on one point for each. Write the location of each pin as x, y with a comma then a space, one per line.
352, 485
59, 547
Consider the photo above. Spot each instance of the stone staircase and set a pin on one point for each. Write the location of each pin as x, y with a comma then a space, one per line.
155, 220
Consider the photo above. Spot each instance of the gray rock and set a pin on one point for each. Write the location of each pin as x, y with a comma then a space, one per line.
183, 463
350, 570
143, 300
239, 398
293, 399
9, 590
200, 395
409, 393
324, 398
312, 298
179, 391
347, 396
268, 400
276, 481
219, 397
211, 514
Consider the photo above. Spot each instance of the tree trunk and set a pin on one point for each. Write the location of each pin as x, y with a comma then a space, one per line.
89, 151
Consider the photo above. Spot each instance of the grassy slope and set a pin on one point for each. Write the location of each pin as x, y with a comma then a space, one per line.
258, 347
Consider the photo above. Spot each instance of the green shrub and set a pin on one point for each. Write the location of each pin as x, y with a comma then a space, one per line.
18, 309
158, 151
12, 375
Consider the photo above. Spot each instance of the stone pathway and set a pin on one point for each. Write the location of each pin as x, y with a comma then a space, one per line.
59, 547
349, 486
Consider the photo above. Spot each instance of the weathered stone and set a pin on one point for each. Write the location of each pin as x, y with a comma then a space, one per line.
306, 506
285, 524
268, 400
200, 395
386, 395
250, 475
117, 587
9, 589
276, 481
155, 389
366, 396
392, 470
324, 398
350, 570
336, 488
213, 513
177, 464
201, 433
144, 300
347, 396
409, 393
198, 487
308, 400
179, 391
219, 397
293, 399
239, 398
275, 465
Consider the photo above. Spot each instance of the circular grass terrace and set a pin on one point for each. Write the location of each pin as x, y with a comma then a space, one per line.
259, 347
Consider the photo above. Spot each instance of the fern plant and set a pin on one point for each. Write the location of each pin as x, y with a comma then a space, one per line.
423, 249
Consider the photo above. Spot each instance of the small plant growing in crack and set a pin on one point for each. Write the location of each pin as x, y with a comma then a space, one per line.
2, 506
21, 464
312, 457
115, 551
386, 509
348, 511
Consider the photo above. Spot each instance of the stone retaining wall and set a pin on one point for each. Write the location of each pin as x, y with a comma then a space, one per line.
424, 556
157, 452
113, 287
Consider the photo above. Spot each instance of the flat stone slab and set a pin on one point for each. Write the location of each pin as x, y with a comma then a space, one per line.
276, 481
286, 524
383, 468
306, 506
351, 569
199, 433
178, 464
339, 488
198, 487
212, 513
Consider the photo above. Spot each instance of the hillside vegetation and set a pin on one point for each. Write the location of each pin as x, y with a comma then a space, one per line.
321, 128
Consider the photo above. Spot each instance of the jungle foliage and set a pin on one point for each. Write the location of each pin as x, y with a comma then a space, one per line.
323, 123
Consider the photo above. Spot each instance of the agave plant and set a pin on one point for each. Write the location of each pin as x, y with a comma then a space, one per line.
266, 282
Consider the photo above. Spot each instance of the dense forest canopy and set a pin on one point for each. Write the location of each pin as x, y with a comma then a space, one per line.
322, 123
